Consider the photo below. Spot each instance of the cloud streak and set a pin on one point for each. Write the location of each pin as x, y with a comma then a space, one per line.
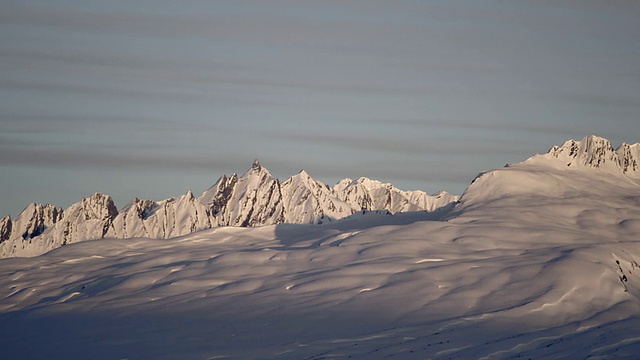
389, 144
85, 158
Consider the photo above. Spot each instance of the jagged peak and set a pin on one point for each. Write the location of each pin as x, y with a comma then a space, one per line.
256, 169
371, 183
221, 180
137, 206
302, 175
629, 158
591, 152
255, 198
47, 211
631, 146
595, 139
305, 179
33, 206
587, 144
136, 202
99, 206
344, 182
99, 197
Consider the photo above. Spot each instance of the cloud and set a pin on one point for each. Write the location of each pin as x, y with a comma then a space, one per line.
265, 25
165, 94
369, 142
550, 127
83, 158
76, 19
616, 5
602, 99
20, 123
101, 90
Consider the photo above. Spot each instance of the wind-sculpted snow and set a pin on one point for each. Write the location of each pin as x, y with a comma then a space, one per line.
254, 199
535, 261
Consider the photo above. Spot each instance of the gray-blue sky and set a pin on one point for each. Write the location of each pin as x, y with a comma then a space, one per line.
153, 98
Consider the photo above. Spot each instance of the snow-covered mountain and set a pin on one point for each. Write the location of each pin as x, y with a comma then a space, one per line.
537, 260
592, 160
31, 222
254, 199
309, 201
371, 194
257, 198
160, 219
595, 152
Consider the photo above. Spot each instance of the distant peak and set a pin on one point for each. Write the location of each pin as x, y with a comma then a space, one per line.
99, 196
594, 152
256, 169
365, 181
595, 138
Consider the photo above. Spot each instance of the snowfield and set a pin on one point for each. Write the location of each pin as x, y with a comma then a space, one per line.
536, 260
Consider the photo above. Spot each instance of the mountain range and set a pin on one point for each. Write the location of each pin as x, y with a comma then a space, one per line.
536, 260
254, 199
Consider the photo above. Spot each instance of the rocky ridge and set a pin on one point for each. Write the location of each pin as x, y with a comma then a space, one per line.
597, 152
256, 198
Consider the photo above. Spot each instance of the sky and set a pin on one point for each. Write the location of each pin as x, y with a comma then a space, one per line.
155, 98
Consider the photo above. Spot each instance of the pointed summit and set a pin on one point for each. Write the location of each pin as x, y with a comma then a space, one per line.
34, 220
302, 176
249, 200
258, 170
307, 200
99, 206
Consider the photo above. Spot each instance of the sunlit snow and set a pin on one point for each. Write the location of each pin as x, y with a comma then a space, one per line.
537, 260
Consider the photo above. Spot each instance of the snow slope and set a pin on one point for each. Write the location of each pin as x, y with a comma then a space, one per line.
537, 260
256, 198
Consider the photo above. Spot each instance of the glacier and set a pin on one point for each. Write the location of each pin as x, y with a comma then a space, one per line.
538, 259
